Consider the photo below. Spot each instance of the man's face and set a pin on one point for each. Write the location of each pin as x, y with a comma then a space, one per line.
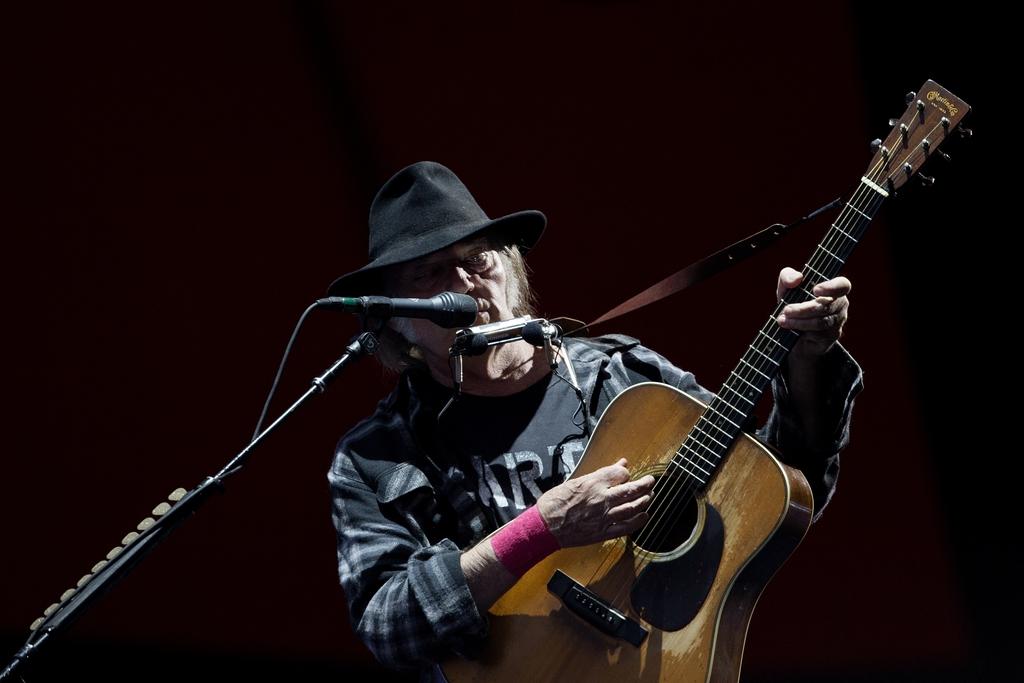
470, 267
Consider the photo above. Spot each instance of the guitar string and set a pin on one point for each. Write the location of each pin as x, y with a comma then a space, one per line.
854, 200
664, 518
702, 441
663, 498
701, 437
656, 523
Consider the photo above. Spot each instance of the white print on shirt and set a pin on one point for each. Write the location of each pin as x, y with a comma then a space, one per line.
521, 470
488, 484
527, 476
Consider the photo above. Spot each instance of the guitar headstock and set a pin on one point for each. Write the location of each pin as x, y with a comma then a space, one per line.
933, 113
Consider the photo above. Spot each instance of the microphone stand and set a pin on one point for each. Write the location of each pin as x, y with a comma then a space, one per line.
123, 559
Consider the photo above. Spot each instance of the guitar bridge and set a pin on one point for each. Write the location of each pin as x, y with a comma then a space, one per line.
594, 610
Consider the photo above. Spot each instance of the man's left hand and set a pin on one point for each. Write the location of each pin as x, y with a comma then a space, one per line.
821, 320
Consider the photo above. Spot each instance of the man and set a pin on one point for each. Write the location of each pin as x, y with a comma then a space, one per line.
416, 491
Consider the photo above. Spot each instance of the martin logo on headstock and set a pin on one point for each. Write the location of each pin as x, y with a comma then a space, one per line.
933, 113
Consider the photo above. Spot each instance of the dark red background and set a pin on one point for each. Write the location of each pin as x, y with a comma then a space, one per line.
186, 180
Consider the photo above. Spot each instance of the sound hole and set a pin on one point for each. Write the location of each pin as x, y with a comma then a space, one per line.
674, 511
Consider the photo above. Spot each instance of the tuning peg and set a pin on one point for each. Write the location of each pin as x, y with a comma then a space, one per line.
927, 181
893, 122
965, 132
876, 144
926, 145
910, 96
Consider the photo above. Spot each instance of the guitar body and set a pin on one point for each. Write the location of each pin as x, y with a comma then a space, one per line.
694, 598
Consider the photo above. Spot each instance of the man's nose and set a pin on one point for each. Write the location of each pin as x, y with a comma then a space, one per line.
462, 282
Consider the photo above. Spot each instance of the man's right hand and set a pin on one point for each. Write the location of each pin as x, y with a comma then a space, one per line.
597, 506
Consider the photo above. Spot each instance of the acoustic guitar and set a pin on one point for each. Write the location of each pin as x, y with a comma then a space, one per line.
673, 601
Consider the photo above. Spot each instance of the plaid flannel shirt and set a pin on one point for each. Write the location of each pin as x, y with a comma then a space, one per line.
403, 515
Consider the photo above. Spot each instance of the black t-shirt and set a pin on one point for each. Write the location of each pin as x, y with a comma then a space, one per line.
512, 448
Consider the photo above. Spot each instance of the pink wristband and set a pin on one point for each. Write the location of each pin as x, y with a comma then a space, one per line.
524, 542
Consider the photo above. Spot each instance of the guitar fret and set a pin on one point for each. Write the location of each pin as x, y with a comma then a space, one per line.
833, 255
858, 210
697, 428
755, 370
770, 359
722, 415
812, 269
771, 339
848, 235
690, 449
679, 465
738, 393
724, 431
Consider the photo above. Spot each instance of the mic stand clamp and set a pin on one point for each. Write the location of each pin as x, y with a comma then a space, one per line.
365, 344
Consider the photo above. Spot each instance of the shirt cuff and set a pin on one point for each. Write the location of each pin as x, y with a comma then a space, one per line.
841, 379
449, 606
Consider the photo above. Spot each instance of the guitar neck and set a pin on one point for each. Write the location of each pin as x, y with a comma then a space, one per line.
739, 395
932, 114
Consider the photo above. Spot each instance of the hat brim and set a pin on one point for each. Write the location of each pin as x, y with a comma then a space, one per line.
523, 228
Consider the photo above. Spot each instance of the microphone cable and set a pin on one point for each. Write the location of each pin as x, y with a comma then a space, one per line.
280, 369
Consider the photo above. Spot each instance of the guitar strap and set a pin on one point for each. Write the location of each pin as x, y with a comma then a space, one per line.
695, 272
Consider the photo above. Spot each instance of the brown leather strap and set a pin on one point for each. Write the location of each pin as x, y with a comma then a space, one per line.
695, 272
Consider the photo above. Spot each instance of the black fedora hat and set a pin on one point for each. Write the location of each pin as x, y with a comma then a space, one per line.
423, 208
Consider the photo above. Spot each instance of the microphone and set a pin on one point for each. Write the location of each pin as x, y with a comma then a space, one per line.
447, 309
